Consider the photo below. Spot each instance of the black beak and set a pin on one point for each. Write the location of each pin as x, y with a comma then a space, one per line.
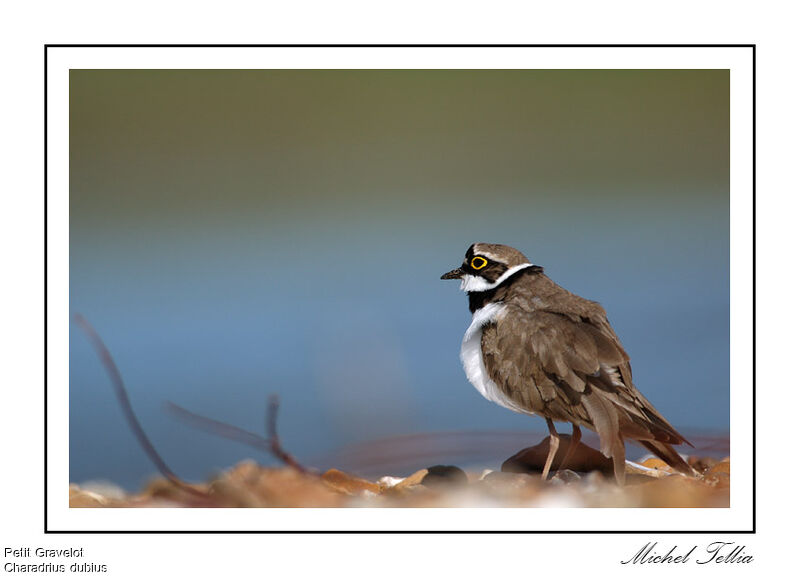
454, 274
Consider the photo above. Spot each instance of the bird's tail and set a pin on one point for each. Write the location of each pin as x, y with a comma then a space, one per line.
667, 453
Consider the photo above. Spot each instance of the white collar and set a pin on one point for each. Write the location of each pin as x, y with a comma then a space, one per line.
475, 284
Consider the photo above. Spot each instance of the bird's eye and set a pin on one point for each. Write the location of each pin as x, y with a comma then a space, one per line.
478, 262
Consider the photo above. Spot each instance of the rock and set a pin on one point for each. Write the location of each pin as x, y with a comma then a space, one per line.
444, 476
414, 479
347, 484
389, 481
411, 485
583, 459
79, 498
508, 483
638, 471
565, 477
514, 478
658, 468
103, 488
655, 464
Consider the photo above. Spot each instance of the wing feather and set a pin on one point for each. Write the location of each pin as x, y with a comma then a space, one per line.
571, 368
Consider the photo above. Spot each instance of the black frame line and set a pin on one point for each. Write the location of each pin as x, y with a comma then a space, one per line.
750, 531
399, 46
45, 290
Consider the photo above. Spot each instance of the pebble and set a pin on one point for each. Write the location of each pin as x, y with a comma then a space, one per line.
565, 477
347, 484
79, 498
443, 476
656, 464
506, 481
414, 479
389, 481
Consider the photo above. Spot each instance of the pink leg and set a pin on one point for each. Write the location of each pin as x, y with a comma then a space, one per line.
554, 439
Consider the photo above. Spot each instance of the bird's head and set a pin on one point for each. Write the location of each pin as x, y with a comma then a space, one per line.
487, 265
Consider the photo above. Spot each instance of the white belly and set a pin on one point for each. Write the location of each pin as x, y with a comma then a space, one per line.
472, 357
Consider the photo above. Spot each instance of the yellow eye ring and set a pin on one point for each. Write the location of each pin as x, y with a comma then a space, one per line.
478, 263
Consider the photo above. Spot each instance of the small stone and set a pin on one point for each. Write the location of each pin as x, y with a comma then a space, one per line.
347, 484
389, 481
409, 488
565, 477
79, 498
485, 473
105, 489
509, 481
655, 464
634, 470
414, 479
439, 476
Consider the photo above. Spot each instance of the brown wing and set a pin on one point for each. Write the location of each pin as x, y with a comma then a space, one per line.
571, 367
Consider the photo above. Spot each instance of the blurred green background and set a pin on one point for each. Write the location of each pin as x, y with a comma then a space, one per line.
240, 232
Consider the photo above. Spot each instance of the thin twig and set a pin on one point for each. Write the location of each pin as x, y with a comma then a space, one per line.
271, 445
220, 428
127, 409
272, 431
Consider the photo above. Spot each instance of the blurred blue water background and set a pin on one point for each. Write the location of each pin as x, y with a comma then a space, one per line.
237, 233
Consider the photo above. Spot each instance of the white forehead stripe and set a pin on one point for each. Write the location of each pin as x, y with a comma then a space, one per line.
473, 283
489, 255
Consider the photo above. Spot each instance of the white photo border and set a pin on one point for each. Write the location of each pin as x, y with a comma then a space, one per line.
739, 59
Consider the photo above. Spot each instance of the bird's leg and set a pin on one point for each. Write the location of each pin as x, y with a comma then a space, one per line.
554, 439
574, 440
618, 456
